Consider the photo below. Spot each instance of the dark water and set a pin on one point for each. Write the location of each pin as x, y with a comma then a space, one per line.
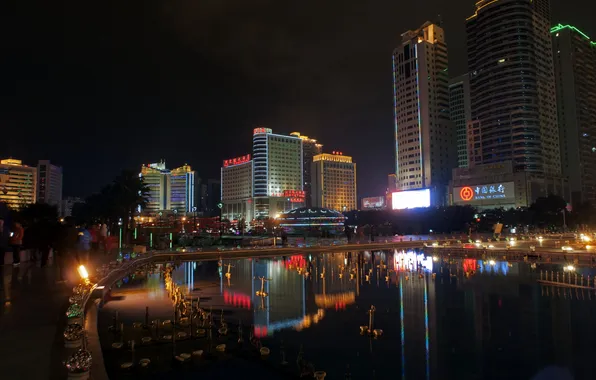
457, 319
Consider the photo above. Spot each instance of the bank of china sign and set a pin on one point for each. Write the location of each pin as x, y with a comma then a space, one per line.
493, 191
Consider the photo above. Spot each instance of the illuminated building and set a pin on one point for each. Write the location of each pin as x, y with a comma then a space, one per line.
424, 139
236, 189
460, 113
310, 148
334, 182
169, 190
277, 168
575, 59
18, 183
491, 186
311, 218
49, 183
510, 63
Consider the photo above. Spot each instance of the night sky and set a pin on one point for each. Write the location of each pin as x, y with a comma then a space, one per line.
101, 86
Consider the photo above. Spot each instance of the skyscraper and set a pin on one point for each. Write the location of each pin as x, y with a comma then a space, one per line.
424, 139
169, 190
182, 189
512, 84
460, 111
49, 183
236, 189
310, 148
334, 182
155, 177
575, 61
277, 171
18, 183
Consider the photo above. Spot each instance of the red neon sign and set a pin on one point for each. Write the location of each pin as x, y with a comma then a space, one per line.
294, 194
466, 194
256, 131
236, 161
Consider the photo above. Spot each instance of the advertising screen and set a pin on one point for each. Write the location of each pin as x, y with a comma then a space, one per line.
489, 192
410, 199
373, 203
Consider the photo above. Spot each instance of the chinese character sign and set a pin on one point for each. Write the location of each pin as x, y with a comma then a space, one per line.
236, 161
483, 193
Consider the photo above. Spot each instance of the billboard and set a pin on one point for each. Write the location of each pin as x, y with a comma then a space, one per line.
410, 199
483, 193
236, 161
373, 203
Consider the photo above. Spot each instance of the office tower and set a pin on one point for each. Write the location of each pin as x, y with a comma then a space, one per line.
277, 173
334, 182
425, 151
169, 190
575, 64
310, 148
460, 112
182, 189
18, 183
236, 189
512, 84
49, 183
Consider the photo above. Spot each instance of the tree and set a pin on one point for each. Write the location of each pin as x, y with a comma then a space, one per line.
548, 210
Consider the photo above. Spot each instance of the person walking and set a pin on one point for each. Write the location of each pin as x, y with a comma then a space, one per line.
84, 245
94, 232
16, 242
103, 237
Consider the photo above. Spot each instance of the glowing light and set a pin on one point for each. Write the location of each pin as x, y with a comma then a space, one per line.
83, 272
566, 248
586, 238
410, 199
569, 268
492, 262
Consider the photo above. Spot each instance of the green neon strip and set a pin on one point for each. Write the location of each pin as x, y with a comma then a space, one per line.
560, 27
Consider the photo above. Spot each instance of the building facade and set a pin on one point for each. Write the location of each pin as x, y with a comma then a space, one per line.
182, 189
18, 183
277, 172
489, 186
310, 148
575, 72
512, 84
236, 189
49, 183
334, 182
169, 190
424, 137
460, 112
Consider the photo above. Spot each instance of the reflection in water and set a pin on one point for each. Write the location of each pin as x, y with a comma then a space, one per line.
453, 318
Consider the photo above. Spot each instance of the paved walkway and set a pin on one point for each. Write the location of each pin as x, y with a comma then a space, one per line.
33, 319
33, 304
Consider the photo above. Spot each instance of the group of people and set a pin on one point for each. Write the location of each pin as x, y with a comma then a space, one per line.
69, 243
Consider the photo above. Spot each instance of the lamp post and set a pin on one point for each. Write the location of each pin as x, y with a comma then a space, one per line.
220, 206
194, 220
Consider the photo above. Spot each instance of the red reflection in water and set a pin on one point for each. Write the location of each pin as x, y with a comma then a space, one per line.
470, 265
260, 331
237, 300
340, 306
295, 261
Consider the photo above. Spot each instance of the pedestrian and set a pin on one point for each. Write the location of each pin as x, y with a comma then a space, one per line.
84, 245
16, 242
65, 248
103, 237
94, 232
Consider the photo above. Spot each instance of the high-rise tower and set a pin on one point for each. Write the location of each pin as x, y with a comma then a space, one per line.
575, 62
424, 140
512, 85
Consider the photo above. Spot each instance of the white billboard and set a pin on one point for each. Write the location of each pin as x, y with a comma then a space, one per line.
410, 199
